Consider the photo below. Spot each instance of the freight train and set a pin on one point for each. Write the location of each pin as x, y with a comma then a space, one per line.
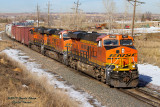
111, 59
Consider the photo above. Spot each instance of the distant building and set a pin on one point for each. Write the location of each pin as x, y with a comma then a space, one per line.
30, 21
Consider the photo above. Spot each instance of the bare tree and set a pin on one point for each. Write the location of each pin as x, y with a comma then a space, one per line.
148, 16
125, 14
110, 10
81, 20
143, 18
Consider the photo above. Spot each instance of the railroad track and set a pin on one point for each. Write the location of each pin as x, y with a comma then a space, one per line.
145, 96
140, 94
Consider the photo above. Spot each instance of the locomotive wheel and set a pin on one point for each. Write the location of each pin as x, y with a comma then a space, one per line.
103, 79
97, 75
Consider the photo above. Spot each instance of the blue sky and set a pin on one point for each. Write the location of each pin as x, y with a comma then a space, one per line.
66, 5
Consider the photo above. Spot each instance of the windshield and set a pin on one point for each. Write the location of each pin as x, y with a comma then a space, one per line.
126, 42
110, 42
65, 35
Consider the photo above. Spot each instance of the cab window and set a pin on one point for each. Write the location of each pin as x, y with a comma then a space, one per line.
126, 42
65, 35
110, 42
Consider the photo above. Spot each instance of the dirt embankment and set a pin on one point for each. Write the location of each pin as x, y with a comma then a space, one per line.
148, 47
19, 88
5, 44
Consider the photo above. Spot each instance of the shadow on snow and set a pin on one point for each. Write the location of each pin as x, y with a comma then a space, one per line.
144, 80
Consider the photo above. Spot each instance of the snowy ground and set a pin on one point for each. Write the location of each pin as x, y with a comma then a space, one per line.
0, 36
33, 67
150, 75
136, 30
1, 32
129, 22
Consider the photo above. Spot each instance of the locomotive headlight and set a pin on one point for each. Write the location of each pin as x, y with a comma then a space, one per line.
117, 66
122, 50
133, 66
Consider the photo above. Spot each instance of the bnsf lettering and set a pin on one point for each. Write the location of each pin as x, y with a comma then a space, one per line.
127, 55
122, 55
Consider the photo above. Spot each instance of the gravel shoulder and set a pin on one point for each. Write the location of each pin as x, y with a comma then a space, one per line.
108, 96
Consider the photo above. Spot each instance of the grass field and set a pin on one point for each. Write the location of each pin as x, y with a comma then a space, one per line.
148, 47
2, 26
5, 44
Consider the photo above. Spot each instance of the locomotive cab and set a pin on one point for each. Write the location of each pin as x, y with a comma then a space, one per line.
64, 35
121, 60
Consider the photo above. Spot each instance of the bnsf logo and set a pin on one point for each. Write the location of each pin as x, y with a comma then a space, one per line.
122, 55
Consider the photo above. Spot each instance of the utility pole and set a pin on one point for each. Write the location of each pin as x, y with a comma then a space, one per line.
136, 3
48, 13
37, 15
76, 12
77, 6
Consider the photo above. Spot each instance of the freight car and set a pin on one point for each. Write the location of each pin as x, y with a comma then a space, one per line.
109, 58
8, 29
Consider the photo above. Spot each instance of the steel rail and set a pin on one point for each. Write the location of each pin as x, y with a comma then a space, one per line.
142, 95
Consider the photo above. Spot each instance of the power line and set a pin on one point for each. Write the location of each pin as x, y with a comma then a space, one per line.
135, 3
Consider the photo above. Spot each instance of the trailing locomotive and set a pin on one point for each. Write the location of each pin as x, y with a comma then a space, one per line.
111, 59
50, 42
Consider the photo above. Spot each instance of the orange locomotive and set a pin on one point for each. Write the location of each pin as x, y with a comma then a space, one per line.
109, 58
50, 42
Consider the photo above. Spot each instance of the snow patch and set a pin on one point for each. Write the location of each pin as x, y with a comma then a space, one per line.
1, 32
24, 86
83, 97
136, 30
149, 74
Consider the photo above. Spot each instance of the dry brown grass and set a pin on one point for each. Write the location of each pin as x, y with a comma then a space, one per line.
148, 47
5, 44
14, 75
2, 26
